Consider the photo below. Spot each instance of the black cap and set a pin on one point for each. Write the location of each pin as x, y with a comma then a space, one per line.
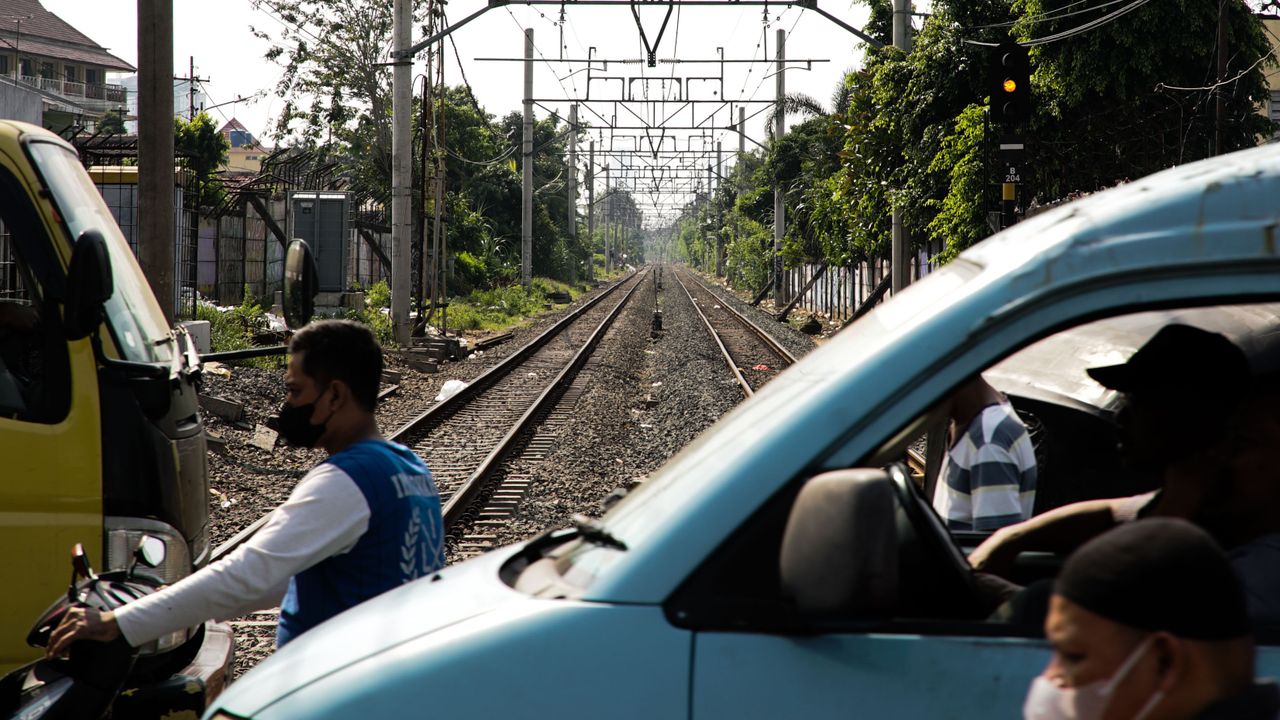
1179, 356
1158, 574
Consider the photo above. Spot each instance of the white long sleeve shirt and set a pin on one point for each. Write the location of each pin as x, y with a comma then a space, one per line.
324, 516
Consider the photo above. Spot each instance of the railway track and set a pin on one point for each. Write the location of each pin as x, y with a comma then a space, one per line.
753, 356
467, 437
471, 440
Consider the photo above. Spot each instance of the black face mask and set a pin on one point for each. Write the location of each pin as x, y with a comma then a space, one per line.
295, 425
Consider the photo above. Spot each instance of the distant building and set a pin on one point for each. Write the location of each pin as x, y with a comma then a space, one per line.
246, 153
52, 74
183, 99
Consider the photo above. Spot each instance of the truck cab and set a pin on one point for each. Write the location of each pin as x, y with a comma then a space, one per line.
100, 431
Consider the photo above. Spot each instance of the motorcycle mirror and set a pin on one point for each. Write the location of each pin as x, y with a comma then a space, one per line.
150, 552
301, 282
79, 568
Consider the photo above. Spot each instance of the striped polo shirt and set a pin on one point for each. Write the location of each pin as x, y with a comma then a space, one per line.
988, 479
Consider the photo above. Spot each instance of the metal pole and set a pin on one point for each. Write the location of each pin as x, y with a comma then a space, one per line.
156, 231
899, 266
401, 179
591, 208
779, 208
571, 184
526, 164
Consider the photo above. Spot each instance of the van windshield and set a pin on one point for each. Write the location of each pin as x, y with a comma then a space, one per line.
136, 321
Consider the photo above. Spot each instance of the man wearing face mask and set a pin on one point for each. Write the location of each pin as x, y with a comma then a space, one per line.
362, 522
1148, 622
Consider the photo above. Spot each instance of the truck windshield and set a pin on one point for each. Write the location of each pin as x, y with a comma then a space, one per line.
136, 322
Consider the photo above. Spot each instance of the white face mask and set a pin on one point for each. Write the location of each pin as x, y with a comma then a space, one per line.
1047, 701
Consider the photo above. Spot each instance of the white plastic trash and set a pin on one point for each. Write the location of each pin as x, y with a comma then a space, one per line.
449, 389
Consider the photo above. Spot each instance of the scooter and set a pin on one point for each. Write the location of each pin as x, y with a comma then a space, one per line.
103, 680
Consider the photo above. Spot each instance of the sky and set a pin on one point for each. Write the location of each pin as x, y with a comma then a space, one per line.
217, 35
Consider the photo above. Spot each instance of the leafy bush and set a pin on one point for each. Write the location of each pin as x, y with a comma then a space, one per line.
376, 313
378, 295
233, 328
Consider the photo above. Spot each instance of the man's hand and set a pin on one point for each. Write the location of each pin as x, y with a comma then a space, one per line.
82, 624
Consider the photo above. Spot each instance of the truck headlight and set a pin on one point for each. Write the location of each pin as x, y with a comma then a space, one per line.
124, 535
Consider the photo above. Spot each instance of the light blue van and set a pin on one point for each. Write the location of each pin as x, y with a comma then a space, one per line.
712, 592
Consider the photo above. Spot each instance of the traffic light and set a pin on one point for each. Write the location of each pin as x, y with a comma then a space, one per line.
1010, 85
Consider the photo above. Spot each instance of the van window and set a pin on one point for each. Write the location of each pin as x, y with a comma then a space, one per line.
132, 314
1072, 428
35, 378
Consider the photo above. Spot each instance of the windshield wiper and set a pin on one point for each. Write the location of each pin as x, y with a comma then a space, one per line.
594, 533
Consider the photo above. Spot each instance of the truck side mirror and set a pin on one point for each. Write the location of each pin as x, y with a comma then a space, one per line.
840, 550
89, 285
300, 284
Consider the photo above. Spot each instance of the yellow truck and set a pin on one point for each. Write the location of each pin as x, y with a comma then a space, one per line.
101, 440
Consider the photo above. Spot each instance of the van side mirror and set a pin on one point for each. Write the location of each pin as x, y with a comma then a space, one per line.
89, 285
301, 282
840, 550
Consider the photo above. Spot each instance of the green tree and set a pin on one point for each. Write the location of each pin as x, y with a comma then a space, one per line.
205, 151
112, 122
336, 84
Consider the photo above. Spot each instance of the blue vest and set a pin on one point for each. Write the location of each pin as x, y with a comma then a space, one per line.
404, 540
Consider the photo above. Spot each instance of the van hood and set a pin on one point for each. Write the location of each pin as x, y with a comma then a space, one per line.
453, 595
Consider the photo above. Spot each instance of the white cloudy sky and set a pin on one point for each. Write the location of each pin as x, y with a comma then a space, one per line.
217, 35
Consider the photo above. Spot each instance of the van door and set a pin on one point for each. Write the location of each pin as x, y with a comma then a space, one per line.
51, 483
746, 675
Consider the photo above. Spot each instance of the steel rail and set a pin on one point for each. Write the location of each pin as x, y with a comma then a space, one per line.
763, 336
443, 409
485, 380
461, 500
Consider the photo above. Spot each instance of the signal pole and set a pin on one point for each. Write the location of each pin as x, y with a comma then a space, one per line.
526, 164
401, 171
899, 262
779, 207
591, 210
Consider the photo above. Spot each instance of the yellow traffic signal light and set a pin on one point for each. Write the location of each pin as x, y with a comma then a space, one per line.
1009, 84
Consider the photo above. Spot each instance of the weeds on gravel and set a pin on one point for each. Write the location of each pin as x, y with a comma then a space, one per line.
377, 312
502, 307
233, 328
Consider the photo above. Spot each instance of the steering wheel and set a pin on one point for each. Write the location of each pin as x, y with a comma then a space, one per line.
937, 578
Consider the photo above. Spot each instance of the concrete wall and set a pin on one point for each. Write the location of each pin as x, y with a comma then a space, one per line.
19, 104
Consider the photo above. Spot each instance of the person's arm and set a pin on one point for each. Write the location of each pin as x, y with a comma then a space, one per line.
1060, 530
325, 516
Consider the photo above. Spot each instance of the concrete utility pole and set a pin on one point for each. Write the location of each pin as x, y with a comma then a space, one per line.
899, 262
719, 232
526, 164
608, 216
571, 182
742, 149
156, 232
1220, 105
779, 208
591, 209
401, 179
713, 247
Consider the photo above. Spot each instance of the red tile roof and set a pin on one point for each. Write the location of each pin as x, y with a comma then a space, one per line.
43, 33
